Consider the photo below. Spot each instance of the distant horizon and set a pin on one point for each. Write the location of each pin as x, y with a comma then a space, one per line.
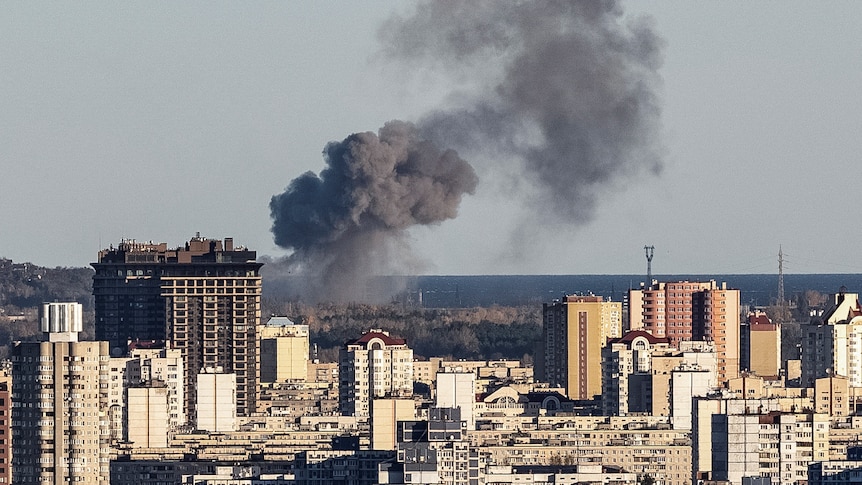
452, 275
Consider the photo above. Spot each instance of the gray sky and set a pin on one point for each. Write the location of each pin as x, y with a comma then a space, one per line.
158, 120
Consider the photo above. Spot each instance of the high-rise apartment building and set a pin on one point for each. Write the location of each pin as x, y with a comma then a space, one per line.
575, 329
760, 346
622, 358
834, 348
374, 365
159, 367
202, 299
216, 397
60, 434
5, 429
283, 351
148, 418
690, 310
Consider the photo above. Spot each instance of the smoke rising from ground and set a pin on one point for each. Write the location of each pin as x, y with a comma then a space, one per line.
348, 224
560, 95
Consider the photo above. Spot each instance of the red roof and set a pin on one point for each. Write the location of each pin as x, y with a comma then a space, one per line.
387, 340
629, 337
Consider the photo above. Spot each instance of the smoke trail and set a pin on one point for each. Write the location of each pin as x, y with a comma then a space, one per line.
348, 224
565, 87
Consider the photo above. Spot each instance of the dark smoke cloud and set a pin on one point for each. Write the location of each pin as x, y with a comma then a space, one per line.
348, 223
567, 88
560, 95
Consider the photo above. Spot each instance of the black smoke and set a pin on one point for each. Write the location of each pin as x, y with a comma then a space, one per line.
347, 224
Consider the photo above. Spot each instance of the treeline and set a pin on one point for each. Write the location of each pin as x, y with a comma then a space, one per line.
474, 333
23, 289
25, 285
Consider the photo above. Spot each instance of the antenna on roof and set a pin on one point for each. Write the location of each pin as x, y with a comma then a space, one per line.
649, 253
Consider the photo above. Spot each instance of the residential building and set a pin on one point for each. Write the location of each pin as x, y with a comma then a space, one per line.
574, 330
775, 445
774, 437
161, 366
642, 375
581, 474
202, 299
216, 397
760, 346
834, 347
148, 423
688, 310
59, 433
435, 451
386, 412
283, 351
641, 445
457, 390
621, 358
836, 472
5, 430
374, 365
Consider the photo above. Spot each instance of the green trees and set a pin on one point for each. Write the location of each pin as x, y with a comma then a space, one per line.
474, 333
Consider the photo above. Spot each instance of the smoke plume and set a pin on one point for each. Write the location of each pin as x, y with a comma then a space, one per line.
567, 89
560, 95
348, 224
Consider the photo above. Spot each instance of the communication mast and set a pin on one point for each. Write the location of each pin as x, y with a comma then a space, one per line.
649, 252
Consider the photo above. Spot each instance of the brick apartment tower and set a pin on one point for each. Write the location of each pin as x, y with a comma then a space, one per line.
203, 299
5, 429
575, 330
690, 310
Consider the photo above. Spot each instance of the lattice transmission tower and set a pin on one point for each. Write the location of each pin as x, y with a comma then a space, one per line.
780, 276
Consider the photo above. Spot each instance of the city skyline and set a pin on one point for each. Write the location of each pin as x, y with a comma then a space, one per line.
114, 116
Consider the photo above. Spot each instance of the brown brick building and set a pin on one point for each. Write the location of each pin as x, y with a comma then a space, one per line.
203, 299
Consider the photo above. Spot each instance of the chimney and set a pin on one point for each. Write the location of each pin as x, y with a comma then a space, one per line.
228, 244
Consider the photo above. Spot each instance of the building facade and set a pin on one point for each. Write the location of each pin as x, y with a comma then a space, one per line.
283, 351
690, 310
622, 358
574, 331
202, 299
59, 430
760, 346
216, 397
374, 365
834, 347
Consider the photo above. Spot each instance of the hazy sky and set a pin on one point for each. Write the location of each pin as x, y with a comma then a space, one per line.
154, 121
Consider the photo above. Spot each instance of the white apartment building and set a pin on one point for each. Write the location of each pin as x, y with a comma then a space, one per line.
216, 400
458, 390
621, 358
374, 365
765, 437
776, 445
148, 423
161, 365
835, 346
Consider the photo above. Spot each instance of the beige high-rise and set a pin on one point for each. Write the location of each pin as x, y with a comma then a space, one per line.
575, 330
60, 434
